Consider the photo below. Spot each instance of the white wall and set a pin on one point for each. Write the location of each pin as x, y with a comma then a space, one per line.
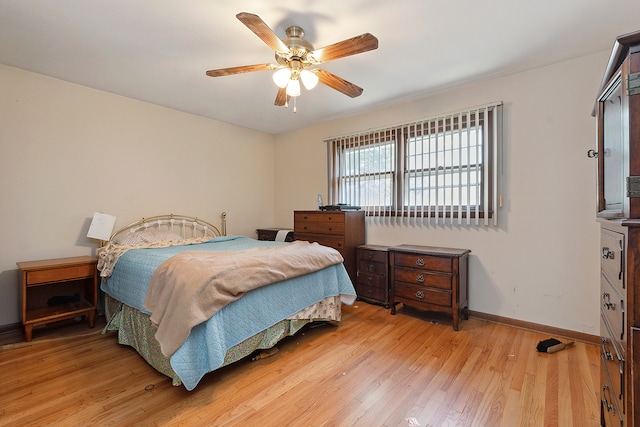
67, 151
541, 263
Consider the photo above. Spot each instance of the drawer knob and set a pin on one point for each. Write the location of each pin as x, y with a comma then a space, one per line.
606, 301
371, 267
420, 262
420, 294
420, 278
369, 279
607, 253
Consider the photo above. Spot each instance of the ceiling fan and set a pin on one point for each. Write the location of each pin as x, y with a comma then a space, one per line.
296, 58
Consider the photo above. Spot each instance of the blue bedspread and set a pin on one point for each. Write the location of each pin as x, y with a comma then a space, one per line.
205, 348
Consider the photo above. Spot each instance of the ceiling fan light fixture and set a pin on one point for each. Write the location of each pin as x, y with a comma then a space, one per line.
293, 88
309, 79
281, 77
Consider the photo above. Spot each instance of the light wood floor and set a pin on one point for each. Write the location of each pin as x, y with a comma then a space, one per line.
373, 369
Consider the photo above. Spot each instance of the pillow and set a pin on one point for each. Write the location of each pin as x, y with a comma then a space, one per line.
147, 236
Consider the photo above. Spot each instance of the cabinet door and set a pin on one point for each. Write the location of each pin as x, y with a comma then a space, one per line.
612, 168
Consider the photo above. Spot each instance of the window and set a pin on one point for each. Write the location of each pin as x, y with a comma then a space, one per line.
442, 168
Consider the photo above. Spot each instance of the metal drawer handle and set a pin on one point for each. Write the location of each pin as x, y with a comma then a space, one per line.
420, 262
420, 278
607, 405
607, 253
606, 301
607, 354
420, 294
371, 267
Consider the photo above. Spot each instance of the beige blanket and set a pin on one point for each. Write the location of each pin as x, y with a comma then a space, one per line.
189, 288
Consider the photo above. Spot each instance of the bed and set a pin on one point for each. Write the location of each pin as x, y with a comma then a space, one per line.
190, 299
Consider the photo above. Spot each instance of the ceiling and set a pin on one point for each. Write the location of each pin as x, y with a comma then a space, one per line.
158, 51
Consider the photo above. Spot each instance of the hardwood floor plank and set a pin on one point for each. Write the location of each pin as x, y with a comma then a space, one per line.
374, 369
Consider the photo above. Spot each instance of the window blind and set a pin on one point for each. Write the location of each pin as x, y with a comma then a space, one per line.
442, 169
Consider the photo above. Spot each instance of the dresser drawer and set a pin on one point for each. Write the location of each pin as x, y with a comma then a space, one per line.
612, 260
423, 278
614, 362
422, 295
336, 242
612, 307
426, 262
320, 227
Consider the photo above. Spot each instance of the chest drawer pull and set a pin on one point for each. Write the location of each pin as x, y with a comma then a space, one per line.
606, 301
420, 294
420, 278
606, 353
608, 406
607, 253
420, 262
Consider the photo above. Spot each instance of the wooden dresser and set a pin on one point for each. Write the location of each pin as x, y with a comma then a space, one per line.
372, 284
431, 279
341, 230
618, 210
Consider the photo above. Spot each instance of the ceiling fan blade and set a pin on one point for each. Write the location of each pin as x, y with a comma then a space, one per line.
281, 97
262, 30
358, 44
337, 83
240, 70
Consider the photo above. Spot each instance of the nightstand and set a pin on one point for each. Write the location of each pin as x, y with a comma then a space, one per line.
58, 289
372, 284
430, 279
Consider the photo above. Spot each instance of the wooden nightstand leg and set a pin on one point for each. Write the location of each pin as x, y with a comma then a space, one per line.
28, 332
92, 317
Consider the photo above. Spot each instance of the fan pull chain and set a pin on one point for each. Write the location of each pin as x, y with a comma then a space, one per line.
295, 108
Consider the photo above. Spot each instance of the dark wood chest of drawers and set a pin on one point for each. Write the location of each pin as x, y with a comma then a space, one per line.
372, 284
430, 279
341, 230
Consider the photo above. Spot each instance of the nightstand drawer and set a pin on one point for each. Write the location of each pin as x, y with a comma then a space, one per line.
38, 277
426, 262
422, 295
372, 287
378, 268
369, 255
372, 280
423, 278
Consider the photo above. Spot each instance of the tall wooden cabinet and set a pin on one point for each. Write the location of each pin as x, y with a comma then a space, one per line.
618, 209
341, 230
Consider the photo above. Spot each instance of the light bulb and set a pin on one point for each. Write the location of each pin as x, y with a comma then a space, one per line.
293, 88
309, 79
281, 77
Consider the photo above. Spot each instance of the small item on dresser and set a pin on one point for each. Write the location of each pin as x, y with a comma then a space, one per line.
552, 345
281, 235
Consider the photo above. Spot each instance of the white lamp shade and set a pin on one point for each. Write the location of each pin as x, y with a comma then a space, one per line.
101, 226
293, 88
309, 79
281, 77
